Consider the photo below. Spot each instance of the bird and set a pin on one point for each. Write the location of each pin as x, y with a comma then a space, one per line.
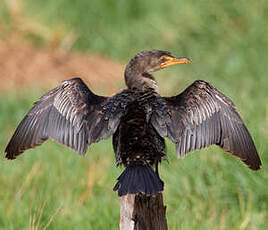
138, 119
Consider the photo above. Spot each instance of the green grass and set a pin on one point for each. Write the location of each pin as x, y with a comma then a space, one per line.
205, 190
227, 41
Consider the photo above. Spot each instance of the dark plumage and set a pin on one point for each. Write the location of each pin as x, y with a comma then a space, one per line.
139, 119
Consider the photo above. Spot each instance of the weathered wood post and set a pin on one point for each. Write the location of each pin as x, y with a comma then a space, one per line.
142, 212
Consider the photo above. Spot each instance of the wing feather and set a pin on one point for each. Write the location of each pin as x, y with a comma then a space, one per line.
70, 114
202, 116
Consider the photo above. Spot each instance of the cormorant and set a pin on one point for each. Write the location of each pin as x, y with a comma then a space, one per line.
139, 119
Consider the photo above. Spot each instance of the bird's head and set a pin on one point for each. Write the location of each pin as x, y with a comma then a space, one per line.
149, 61
152, 60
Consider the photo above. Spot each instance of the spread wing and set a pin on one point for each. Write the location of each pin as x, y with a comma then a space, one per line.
202, 116
70, 114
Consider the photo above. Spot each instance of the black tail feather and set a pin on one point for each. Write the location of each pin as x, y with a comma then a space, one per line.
138, 179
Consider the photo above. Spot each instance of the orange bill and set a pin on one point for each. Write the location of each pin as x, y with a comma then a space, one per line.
174, 61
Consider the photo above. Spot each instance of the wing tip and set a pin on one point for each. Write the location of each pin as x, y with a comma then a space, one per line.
81, 153
256, 166
10, 156
10, 152
253, 160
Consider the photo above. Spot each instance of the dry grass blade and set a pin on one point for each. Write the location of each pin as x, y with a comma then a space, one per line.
40, 215
90, 183
95, 175
36, 217
29, 179
30, 218
52, 217
35, 214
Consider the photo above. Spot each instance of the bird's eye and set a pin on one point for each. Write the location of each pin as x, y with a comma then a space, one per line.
166, 58
163, 59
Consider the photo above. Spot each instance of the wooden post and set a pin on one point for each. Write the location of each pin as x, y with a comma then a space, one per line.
142, 212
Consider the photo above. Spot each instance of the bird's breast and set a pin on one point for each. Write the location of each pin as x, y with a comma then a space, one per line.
136, 140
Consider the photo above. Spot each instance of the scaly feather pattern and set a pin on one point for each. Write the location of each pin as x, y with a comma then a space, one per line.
70, 114
202, 116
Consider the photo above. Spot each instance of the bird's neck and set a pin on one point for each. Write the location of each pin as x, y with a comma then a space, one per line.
140, 81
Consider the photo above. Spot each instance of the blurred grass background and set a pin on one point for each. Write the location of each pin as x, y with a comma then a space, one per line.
51, 188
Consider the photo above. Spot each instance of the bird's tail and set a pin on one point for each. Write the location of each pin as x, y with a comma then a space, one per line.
138, 179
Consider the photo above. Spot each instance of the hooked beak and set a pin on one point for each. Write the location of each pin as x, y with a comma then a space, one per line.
174, 61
